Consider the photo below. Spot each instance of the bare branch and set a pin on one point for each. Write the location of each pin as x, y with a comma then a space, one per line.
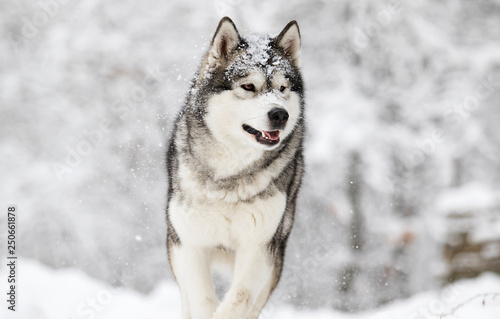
460, 305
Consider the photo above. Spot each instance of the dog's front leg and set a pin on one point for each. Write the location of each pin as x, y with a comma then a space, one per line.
252, 270
192, 271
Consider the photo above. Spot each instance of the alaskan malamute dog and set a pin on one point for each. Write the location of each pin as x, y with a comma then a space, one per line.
235, 165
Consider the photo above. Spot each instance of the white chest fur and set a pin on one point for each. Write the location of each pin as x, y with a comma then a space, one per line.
210, 218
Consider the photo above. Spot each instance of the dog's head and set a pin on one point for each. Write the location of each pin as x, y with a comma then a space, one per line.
250, 87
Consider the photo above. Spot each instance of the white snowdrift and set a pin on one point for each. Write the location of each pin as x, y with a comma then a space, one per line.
46, 293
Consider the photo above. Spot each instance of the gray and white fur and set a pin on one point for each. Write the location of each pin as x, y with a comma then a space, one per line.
235, 166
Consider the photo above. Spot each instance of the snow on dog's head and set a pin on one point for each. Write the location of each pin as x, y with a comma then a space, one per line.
249, 88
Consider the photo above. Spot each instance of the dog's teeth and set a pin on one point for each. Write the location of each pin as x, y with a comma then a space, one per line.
263, 135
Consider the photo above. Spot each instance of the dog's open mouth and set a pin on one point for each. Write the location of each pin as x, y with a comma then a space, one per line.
263, 137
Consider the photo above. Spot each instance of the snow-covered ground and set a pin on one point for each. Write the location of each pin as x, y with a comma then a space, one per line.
69, 293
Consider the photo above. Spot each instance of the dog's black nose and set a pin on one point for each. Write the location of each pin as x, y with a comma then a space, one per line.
278, 117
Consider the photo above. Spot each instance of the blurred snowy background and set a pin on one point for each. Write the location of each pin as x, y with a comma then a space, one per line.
402, 191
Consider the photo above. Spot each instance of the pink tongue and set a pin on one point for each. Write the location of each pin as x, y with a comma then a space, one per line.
274, 135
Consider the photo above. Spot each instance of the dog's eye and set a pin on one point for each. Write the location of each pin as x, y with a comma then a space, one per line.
282, 88
248, 87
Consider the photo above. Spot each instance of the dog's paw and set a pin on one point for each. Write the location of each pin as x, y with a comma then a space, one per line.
223, 315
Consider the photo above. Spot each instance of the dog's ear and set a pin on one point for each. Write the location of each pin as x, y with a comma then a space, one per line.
289, 41
225, 40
